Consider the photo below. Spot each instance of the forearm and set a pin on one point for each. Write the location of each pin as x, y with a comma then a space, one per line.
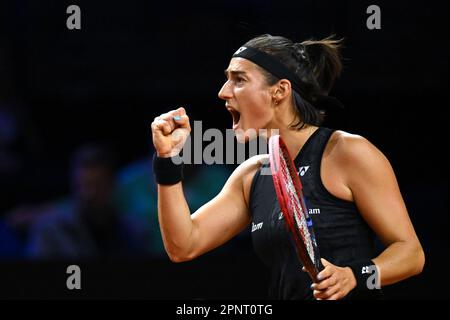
400, 260
175, 221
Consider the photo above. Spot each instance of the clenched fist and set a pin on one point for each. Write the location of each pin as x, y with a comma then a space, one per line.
169, 132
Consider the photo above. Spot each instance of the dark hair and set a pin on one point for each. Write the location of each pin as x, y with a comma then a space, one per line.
317, 64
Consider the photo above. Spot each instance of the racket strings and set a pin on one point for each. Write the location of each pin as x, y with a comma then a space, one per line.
295, 204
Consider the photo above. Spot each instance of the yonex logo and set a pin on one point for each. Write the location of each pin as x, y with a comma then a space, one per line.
365, 270
302, 170
256, 227
240, 50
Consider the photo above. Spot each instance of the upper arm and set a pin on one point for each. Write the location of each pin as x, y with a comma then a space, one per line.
227, 214
374, 187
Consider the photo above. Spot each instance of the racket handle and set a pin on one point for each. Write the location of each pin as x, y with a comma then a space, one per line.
319, 265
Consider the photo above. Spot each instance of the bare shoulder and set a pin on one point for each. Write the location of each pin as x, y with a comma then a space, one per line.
352, 146
354, 152
257, 161
343, 137
248, 168
251, 165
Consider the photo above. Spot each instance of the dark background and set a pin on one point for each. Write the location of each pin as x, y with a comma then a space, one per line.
134, 60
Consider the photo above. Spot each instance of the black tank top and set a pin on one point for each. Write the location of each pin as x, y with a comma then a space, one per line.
341, 233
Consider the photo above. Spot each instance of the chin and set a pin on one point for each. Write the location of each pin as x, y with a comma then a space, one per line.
245, 136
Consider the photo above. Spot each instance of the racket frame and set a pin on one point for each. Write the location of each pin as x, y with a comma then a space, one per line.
277, 148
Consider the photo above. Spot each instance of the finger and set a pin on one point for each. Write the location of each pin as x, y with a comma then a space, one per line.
172, 113
162, 126
317, 294
156, 128
182, 121
336, 296
180, 111
169, 118
325, 273
177, 118
303, 269
325, 262
168, 115
165, 117
327, 294
156, 132
325, 284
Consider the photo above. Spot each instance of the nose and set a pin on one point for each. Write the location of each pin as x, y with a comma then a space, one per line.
225, 92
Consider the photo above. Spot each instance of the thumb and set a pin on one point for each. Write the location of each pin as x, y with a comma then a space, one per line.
181, 111
325, 262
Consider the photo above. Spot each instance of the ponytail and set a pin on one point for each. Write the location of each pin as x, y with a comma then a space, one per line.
325, 60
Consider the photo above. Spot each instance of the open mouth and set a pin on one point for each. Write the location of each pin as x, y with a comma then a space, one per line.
236, 116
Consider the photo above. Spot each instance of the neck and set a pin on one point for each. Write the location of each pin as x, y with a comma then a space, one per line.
296, 139
293, 138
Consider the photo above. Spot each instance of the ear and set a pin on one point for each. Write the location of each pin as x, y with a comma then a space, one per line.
281, 90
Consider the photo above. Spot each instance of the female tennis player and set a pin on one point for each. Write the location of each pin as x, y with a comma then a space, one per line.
349, 185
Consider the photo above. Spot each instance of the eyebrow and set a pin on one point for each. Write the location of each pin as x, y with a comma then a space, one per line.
234, 72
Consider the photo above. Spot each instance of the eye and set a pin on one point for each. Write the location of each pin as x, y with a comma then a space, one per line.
239, 80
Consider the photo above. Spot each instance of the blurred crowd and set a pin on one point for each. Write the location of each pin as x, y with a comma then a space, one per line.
110, 210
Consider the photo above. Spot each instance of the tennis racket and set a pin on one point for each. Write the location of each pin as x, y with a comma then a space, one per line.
292, 203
